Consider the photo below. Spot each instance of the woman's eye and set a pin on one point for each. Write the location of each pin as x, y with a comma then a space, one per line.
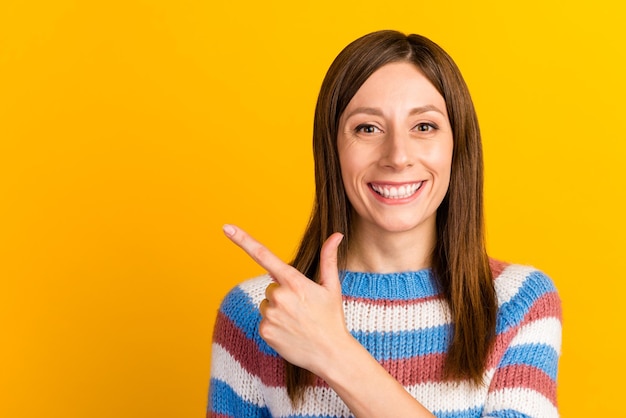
425, 127
367, 129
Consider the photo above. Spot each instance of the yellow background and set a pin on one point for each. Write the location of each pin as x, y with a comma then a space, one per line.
130, 131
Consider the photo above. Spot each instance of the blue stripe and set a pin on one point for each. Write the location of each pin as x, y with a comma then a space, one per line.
405, 344
238, 306
224, 400
541, 356
507, 413
389, 286
312, 416
465, 413
512, 313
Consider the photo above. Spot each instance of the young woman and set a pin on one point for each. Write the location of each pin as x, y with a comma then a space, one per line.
391, 307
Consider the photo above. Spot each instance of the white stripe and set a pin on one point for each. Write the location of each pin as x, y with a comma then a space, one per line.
224, 367
452, 396
317, 401
251, 389
362, 316
434, 396
543, 331
524, 400
509, 282
255, 288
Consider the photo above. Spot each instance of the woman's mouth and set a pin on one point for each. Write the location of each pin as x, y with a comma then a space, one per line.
396, 191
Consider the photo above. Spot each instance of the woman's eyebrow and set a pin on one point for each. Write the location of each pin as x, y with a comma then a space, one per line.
424, 109
366, 110
378, 112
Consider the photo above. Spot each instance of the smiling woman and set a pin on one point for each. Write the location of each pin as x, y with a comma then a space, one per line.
391, 307
395, 151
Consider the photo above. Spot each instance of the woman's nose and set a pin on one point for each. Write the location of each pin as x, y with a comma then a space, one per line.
397, 151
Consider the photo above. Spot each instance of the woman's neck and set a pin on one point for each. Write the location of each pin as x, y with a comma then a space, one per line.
390, 252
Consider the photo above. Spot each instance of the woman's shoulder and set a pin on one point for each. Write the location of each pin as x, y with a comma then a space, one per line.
240, 306
251, 291
511, 279
524, 292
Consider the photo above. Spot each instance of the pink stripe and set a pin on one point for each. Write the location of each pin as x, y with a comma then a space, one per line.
525, 376
425, 369
547, 306
497, 267
247, 353
410, 371
385, 302
415, 370
500, 345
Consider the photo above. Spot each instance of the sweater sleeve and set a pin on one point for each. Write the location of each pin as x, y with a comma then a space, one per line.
235, 386
524, 382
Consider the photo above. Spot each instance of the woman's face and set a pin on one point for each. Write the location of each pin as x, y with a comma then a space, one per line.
395, 150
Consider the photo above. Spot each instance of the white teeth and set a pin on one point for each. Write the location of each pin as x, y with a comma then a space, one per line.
397, 193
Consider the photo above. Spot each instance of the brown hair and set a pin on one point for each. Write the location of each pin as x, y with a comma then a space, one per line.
459, 262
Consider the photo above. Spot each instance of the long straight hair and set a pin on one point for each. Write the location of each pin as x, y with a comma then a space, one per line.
459, 263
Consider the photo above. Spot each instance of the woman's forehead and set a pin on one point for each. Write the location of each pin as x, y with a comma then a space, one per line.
396, 86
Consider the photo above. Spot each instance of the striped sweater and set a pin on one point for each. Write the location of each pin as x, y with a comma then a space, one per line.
403, 322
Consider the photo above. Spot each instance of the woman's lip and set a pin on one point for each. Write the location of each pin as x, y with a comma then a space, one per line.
394, 183
395, 192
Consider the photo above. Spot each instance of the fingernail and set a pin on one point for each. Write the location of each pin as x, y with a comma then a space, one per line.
228, 230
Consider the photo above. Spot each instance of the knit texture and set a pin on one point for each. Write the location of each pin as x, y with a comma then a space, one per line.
404, 323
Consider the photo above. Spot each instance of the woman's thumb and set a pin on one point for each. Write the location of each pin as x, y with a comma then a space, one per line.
329, 273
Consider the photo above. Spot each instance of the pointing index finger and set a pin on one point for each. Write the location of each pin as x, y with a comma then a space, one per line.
258, 252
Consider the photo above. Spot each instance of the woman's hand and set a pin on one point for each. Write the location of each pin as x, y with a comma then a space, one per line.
302, 320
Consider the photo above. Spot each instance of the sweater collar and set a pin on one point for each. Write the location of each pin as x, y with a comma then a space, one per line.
391, 286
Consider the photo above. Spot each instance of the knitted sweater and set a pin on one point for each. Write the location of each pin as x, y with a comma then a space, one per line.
402, 321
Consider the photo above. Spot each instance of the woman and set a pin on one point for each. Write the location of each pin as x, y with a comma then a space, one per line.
391, 307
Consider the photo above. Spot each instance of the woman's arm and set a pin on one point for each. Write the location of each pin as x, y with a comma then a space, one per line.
234, 388
524, 383
304, 322
365, 386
